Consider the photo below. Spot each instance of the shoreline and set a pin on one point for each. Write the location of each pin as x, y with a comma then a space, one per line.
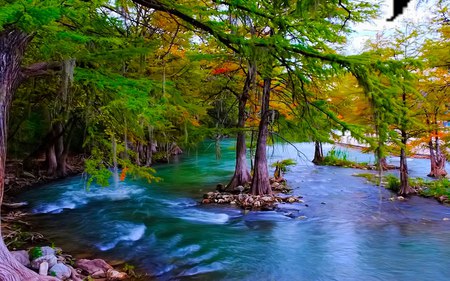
21, 240
361, 148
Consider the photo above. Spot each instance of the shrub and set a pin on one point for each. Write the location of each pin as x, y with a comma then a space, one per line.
393, 183
36, 252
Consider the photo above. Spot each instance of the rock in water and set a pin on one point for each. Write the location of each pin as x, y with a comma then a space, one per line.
22, 257
43, 268
60, 271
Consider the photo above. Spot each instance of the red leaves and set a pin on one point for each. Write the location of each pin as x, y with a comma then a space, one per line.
123, 174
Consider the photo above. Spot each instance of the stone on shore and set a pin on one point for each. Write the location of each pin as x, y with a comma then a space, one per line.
60, 271
51, 260
114, 275
97, 268
43, 268
46, 250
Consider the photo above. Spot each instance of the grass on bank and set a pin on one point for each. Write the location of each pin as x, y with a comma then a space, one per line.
425, 188
337, 157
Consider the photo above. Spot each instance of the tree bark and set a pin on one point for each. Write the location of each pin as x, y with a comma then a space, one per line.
260, 183
318, 153
405, 188
382, 163
60, 170
51, 161
437, 160
241, 173
12, 47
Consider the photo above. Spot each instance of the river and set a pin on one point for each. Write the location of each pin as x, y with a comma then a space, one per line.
346, 229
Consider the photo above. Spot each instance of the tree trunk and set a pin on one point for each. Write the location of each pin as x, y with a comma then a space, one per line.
241, 173
437, 160
52, 164
12, 47
382, 163
138, 153
405, 188
149, 154
260, 183
318, 153
61, 170
61, 160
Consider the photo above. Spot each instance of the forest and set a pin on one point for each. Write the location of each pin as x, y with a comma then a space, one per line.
115, 90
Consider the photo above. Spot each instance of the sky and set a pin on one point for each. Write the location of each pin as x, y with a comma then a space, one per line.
368, 30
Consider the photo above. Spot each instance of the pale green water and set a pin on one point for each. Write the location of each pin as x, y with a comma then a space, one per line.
161, 228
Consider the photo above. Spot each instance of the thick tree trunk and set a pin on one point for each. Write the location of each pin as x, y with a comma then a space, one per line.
12, 47
52, 164
241, 173
260, 183
405, 188
437, 160
60, 153
318, 153
148, 155
138, 153
382, 163
61, 160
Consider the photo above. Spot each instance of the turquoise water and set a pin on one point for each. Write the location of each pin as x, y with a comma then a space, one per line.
345, 230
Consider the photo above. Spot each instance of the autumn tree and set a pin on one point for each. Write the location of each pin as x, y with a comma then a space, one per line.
434, 86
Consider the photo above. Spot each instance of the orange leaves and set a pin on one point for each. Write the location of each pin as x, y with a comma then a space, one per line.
220, 70
226, 67
438, 134
123, 174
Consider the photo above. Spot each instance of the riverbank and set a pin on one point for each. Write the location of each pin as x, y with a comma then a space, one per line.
37, 253
33, 249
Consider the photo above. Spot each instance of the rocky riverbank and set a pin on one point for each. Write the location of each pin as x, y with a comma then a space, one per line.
48, 261
248, 201
27, 246
52, 261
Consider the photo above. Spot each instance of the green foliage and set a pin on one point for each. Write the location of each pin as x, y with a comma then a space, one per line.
392, 182
96, 170
426, 188
284, 164
435, 188
338, 157
36, 252
129, 269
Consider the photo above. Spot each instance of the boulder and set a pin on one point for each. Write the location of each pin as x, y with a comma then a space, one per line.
96, 266
239, 188
43, 268
400, 198
22, 256
60, 271
99, 274
114, 275
50, 259
48, 251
